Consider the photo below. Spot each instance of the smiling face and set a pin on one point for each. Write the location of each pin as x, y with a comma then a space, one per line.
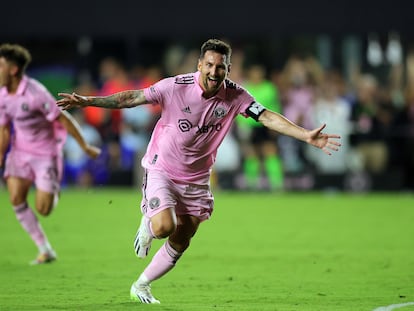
214, 68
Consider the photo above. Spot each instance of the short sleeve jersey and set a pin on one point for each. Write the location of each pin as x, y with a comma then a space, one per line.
185, 139
33, 113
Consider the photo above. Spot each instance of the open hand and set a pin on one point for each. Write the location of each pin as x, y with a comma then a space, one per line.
326, 142
72, 101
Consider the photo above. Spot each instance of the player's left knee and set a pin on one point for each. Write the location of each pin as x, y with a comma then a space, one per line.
163, 229
44, 210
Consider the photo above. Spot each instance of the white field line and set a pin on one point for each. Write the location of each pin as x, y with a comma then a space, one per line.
393, 307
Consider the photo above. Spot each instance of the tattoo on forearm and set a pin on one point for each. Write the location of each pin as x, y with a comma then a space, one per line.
125, 99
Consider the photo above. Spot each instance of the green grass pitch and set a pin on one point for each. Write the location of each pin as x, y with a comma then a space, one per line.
259, 251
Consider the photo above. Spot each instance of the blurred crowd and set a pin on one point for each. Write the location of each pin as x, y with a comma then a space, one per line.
372, 109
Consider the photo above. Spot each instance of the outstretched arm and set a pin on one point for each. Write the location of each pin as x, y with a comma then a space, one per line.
74, 130
125, 99
315, 137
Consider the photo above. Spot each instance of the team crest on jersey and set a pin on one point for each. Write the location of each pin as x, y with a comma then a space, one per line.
220, 112
25, 107
154, 203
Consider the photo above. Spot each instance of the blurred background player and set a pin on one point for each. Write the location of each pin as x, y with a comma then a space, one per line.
79, 169
297, 90
34, 129
258, 143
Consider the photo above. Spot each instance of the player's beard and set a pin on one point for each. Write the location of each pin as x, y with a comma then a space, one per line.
211, 86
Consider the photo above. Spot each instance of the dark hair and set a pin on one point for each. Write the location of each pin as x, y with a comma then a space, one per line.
17, 54
217, 46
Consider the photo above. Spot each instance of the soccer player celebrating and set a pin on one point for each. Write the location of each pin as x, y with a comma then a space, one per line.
198, 110
35, 130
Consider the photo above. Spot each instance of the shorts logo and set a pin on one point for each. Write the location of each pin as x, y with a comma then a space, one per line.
184, 125
220, 112
154, 203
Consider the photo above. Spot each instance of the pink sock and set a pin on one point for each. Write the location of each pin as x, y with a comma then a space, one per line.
162, 262
29, 222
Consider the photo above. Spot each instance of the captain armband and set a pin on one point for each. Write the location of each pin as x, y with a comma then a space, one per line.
255, 110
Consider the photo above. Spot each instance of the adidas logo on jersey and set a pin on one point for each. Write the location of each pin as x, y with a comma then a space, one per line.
187, 110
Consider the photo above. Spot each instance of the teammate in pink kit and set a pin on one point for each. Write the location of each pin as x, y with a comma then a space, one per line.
35, 129
198, 110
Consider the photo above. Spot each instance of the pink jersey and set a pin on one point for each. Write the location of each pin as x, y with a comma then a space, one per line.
185, 139
33, 113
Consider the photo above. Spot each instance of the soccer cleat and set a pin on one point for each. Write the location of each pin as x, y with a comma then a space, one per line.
43, 258
143, 240
142, 293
